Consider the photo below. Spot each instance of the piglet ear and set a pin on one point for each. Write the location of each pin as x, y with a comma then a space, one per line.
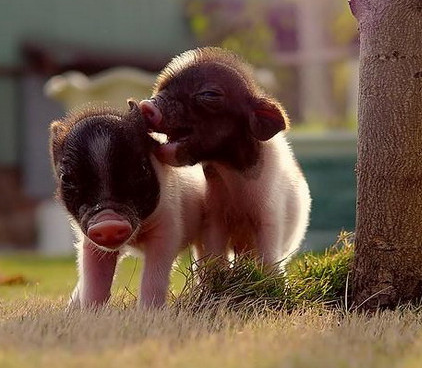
267, 119
56, 129
135, 114
133, 105
57, 135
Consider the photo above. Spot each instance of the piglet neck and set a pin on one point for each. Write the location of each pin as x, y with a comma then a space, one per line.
241, 154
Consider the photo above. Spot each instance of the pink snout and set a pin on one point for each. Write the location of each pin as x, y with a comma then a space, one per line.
151, 113
110, 230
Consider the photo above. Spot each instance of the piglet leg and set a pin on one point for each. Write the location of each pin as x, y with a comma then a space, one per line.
96, 272
216, 237
159, 256
269, 241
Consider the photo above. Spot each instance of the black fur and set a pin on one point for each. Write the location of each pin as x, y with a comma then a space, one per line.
126, 183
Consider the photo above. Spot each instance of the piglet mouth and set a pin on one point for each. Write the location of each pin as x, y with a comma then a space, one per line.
157, 124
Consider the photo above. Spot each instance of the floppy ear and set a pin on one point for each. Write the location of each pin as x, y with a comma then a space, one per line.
133, 106
134, 109
135, 113
57, 134
267, 119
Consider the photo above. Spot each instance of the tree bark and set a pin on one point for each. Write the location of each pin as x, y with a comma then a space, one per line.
388, 261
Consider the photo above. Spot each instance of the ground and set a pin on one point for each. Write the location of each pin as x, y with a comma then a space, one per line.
35, 331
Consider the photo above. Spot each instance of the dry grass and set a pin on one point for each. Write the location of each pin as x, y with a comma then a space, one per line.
243, 317
37, 333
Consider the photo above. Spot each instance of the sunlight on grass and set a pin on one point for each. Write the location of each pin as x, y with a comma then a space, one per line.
309, 277
38, 333
56, 277
50, 277
323, 277
241, 315
242, 285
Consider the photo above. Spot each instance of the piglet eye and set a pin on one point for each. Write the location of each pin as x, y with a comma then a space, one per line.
210, 94
210, 99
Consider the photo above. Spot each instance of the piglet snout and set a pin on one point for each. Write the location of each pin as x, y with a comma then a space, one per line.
151, 113
108, 229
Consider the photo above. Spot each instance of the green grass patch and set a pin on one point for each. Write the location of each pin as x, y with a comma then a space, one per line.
41, 276
243, 286
322, 277
45, 277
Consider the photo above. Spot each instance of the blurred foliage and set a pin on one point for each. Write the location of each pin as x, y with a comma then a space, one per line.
240, 26
252, 29
343, 26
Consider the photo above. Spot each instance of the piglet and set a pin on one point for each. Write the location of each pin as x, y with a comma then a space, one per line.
212, 110
121, 198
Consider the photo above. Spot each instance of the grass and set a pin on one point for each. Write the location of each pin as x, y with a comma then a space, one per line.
309, 280
56, 277
244, 316
323, 278
40, 276
38, 334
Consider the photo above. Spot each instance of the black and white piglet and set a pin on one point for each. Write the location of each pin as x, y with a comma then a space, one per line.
121, 198
208, 103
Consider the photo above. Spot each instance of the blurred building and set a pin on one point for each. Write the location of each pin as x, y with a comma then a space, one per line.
295, 41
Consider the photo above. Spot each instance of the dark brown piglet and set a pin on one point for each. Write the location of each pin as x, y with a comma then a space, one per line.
209, 105
122, 199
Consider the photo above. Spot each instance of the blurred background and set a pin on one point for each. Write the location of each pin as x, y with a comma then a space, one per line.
58, 54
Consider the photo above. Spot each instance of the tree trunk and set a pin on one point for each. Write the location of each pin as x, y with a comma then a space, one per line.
388, 260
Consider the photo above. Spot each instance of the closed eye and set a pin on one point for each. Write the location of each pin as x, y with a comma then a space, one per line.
210, 99
211, 94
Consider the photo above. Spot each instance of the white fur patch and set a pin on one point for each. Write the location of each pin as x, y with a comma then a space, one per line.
272, 207
99, 149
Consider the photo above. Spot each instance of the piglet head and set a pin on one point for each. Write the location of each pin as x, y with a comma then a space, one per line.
208, 104
105, 178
